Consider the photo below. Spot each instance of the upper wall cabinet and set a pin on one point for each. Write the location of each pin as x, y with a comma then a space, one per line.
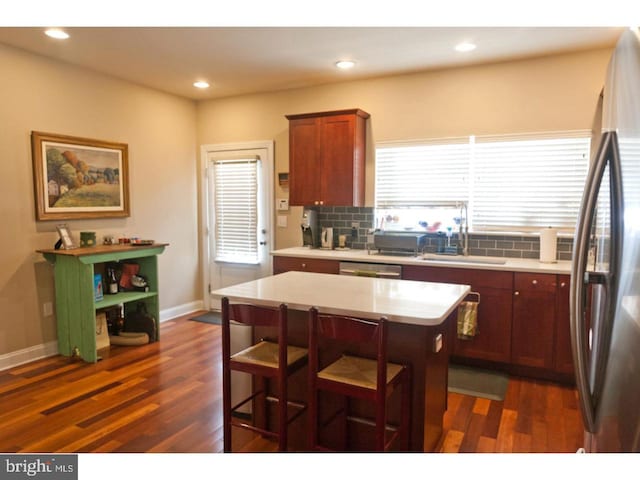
327, 158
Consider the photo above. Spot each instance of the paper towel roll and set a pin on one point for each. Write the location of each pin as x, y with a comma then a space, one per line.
548, 245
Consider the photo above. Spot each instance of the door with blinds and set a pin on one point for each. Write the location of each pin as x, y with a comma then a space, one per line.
239, 198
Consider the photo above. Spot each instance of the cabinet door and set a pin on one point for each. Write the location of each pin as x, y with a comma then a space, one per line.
339, 185
317, 265
533, 328
563, 361
493, 341
305, 166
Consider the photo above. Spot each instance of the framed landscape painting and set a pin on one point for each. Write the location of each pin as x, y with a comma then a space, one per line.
79, 177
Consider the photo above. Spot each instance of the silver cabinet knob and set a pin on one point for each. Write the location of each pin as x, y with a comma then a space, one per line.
516, 293
535, 282
304, 265
563, 284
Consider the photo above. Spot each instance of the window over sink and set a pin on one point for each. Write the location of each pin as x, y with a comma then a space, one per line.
510, 182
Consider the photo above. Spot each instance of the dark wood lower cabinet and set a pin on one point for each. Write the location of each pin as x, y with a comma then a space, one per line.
534, 319
317, 265
563, 358
523, 318
493, 341
523, 321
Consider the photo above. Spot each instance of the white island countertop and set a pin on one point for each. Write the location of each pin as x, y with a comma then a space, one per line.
472, 262
401, 301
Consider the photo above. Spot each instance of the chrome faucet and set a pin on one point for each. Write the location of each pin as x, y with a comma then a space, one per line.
463, 231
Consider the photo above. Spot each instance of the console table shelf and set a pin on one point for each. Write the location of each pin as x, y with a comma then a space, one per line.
76, 306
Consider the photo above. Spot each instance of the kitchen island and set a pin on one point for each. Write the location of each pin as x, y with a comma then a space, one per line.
523, 317
419, 314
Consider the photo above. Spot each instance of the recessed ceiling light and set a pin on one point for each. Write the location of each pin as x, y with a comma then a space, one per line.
56, 33
345, 64
465, 47
201, 84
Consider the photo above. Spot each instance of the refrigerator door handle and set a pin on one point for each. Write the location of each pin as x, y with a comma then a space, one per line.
580, 278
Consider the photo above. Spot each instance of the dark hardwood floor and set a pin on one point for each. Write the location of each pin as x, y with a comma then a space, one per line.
166, 397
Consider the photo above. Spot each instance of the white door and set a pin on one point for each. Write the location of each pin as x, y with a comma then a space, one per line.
239, 206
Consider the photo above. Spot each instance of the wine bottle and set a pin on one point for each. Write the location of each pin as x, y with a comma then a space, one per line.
112, 281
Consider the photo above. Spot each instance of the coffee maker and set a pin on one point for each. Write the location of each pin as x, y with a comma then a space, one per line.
310, 233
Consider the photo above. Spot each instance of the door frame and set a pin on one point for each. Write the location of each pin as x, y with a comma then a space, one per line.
269, 166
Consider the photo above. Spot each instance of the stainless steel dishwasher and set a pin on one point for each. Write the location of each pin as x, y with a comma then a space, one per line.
377, 270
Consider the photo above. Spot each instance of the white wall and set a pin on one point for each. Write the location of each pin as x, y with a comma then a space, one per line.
45, 95
541, 94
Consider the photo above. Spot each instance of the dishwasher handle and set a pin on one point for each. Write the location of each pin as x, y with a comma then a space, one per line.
369, 273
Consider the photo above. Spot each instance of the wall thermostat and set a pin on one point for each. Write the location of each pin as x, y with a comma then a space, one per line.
283, 204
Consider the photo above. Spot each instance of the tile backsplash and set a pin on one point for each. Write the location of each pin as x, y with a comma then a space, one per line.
355, 223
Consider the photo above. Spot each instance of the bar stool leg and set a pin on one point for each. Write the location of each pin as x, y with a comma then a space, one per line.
260, 402
226, 381
405, 420
381, 423
312, 411
344, 434
226, 413
282, 414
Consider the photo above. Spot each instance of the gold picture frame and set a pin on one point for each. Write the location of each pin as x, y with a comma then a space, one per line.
78, 177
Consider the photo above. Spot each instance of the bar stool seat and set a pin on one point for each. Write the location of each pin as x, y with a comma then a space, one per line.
358, 371
266, 354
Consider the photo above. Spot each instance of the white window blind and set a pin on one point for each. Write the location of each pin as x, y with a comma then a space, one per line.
529, 183
236, 210
510, 183
419, 175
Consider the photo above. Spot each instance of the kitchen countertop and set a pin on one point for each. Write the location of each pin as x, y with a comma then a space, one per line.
401, 301
471, 262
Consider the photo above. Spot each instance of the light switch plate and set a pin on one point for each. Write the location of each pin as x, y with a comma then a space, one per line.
282, 221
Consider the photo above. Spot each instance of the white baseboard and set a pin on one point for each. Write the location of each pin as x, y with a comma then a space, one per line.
13, 359
174, 312
36, 352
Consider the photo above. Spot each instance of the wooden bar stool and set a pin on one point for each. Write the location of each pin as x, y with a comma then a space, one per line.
357, 377
264, 360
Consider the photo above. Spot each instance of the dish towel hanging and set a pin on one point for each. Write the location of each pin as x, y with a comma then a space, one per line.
467, 320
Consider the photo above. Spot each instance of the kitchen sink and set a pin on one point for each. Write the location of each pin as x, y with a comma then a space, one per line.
463, 259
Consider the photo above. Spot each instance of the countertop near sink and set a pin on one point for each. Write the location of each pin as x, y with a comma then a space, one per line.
510, 264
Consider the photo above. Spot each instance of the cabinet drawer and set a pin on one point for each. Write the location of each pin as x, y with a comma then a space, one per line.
473, 277
535, 282
317, 265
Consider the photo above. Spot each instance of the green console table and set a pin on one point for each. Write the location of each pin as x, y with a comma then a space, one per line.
76, 306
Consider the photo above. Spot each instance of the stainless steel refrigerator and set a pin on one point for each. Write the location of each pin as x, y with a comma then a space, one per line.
605, 280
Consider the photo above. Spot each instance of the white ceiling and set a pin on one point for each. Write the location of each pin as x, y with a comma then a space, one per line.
241, 60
